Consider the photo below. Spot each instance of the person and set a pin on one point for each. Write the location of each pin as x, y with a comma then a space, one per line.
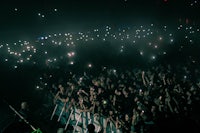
126, 128
24, 111
20, 124
91, 128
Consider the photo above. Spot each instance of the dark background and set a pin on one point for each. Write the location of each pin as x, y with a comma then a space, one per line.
72, 15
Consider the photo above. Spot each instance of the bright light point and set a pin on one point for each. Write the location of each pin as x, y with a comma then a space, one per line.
71, 63
37, 87
171, 40
164, 53
155, 46
141, 53
42, 16
55, 10
45, 52
153, 57
69, 54
16, 9
160, 38
89, 65
6, 60
15, 67
39, 14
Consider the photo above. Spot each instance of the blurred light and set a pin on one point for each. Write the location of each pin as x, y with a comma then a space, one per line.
72, 53
69, 54
89, 65
153, 57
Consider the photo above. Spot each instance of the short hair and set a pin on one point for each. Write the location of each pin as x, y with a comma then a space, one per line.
91, 128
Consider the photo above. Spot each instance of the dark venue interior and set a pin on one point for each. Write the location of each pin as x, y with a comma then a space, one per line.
100, 66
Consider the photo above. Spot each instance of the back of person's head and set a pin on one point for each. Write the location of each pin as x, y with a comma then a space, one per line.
24, 105
91, 128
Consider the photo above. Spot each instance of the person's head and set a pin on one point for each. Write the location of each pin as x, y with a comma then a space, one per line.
126, 117
110, 112
91, 128
61, 88
153, 108
24, 105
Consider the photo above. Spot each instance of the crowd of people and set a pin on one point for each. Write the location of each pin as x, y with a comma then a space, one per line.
133, 100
